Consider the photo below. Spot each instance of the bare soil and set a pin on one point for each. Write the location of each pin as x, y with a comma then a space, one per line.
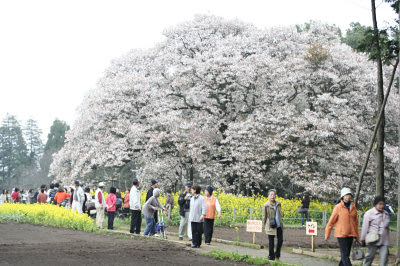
26, 244
292, 237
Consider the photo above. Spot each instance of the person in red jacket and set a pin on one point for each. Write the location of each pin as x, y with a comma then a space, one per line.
15, 195
111, 207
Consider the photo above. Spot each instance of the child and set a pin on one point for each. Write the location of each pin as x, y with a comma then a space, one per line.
111, 207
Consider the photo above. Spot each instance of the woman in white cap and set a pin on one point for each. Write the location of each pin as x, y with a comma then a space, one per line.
100, 204
345, 217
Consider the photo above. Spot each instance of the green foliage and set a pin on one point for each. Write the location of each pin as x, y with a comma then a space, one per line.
56, 137
33, 140
361, 38
234, 256
13, 150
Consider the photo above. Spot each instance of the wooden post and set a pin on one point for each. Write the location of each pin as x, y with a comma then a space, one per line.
312, 240
254, 237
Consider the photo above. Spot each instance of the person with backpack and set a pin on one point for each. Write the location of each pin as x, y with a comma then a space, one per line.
111, 208
52, 194
345, 219
100, 204
184, 210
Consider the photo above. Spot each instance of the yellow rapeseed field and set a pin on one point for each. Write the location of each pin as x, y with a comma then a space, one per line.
46, 214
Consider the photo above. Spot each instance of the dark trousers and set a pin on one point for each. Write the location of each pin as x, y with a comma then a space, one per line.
271, 238
111, 216
208, 229
156, 216
345, 247
136, 221
197, 231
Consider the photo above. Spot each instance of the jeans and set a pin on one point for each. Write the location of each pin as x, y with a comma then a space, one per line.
136, 222
208, 230
183, 224
383, 255
277, 253
197, 232
150, 226
304, 214
111, 216
345, 248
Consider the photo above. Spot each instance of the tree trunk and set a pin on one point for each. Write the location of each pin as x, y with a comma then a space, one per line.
380, 139
398, 183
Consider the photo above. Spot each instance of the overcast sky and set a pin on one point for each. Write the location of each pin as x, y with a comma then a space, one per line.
52, 52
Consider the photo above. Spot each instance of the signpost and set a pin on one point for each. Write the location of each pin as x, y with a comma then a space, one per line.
254, 226
311, 230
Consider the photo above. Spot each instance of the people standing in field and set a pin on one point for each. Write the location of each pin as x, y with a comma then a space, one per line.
35, 194
345, 219
273, 224
154, 185
136, 208
3, 196
42, 197
305, 205
61, 197
78, 198
88, 197
212, 205
149, 209
111, 207
375, 232
169, 203
100, 204
196, 216
52, 194
24, 196
126, 203
15, 196
184, 210
30, 196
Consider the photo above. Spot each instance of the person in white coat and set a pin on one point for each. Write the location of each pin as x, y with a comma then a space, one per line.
78, 198
135, 206
100, 204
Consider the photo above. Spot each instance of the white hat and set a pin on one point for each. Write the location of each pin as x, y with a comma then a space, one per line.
345, 191
101, 184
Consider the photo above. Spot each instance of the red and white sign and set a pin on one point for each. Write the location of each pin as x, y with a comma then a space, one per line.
254, 226
311, 228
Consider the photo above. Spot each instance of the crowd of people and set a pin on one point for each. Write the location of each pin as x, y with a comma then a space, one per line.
199, 212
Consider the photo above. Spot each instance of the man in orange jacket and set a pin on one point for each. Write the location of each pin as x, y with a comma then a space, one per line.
345, 217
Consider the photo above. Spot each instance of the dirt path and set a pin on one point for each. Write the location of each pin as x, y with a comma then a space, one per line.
26, 244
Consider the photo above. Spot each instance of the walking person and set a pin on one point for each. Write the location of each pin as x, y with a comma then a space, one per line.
212, 205
196, 216
272, 222
305, 205
149, 209
111, 207
169, 203
42, 197
184, 210
376, 230
135, 206
154, 185
78, 197
345, 219
100, 204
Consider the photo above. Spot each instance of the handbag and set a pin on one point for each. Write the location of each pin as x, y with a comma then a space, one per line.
90, 205
299, 209
372, 237
357, 253
272, 223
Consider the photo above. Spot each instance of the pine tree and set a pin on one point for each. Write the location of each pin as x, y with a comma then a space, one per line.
32, 134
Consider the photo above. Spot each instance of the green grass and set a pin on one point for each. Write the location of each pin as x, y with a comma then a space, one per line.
234, 256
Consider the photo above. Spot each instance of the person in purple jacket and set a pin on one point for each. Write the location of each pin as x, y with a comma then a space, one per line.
376, 220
